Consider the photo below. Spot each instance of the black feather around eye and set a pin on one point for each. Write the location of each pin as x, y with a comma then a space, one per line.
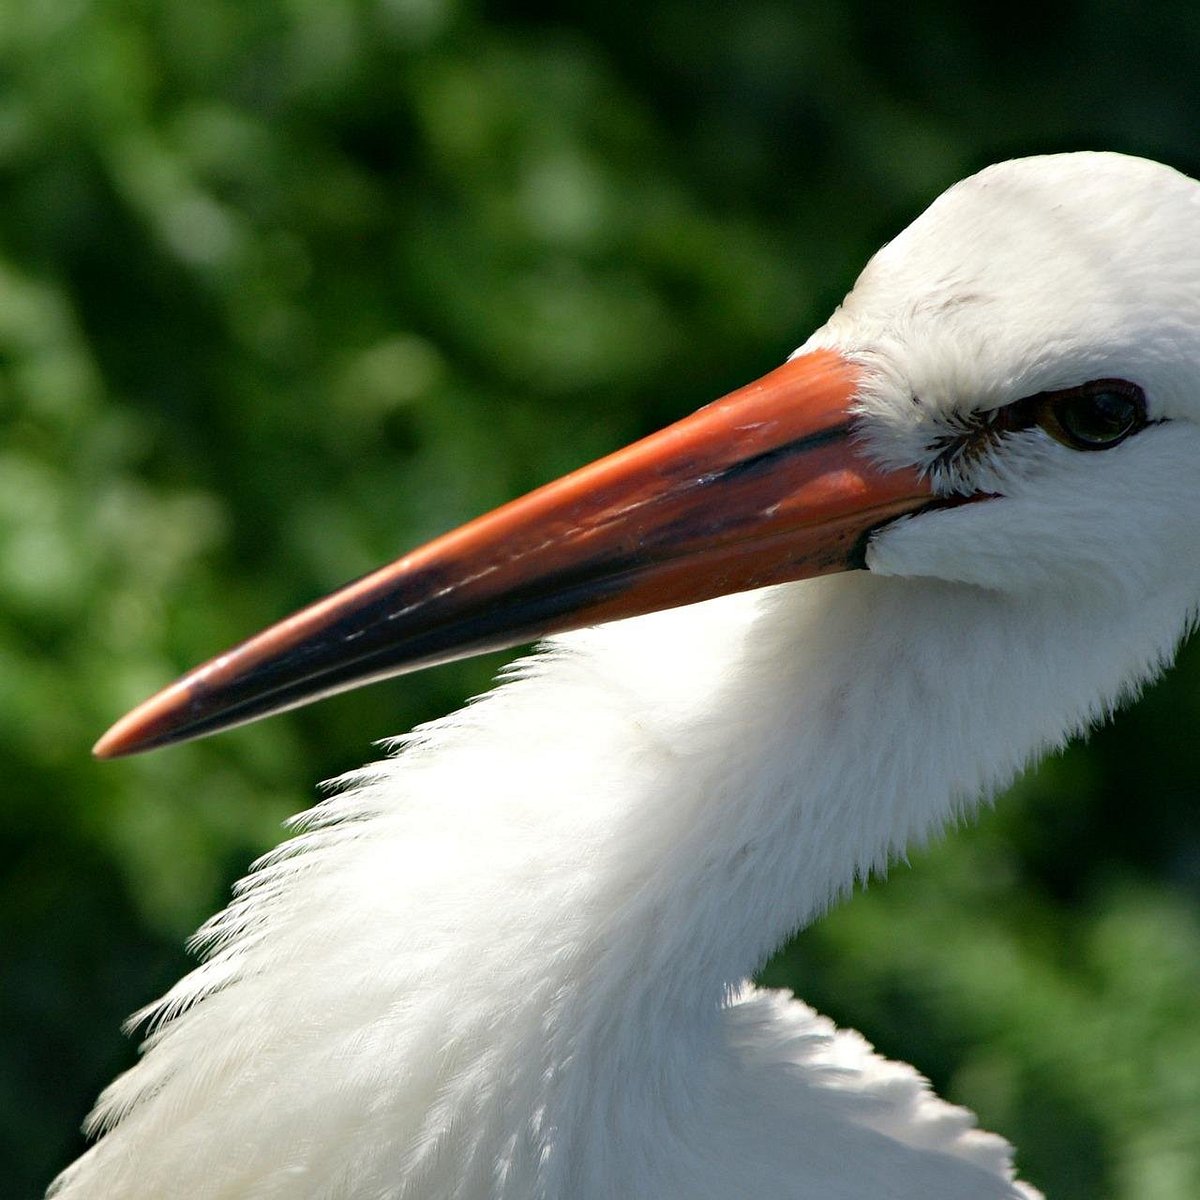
1096, 415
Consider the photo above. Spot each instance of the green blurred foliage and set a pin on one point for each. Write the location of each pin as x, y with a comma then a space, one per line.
288, 286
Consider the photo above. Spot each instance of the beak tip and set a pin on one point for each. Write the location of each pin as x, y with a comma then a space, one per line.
152, 723
116, 743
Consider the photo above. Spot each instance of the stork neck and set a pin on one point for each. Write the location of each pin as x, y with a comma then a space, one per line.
838, 722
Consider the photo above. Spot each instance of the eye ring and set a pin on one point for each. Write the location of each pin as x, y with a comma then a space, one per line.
1096, 415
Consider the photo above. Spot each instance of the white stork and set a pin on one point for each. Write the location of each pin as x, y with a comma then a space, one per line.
510, 962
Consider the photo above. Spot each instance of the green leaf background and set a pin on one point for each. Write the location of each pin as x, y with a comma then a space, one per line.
287, 286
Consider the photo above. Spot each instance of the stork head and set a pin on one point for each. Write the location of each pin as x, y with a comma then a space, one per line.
1009, 398
1034, 337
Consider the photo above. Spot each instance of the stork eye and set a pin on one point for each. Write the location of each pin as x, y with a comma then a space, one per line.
1095, 415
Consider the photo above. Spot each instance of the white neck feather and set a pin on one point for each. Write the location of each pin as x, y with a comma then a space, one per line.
513, 946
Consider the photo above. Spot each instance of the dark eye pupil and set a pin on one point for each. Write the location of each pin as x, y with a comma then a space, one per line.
1097, 419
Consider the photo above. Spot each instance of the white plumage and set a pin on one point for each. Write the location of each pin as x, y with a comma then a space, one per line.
510, 961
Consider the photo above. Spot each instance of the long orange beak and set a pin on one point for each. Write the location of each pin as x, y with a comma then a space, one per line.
761, 487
